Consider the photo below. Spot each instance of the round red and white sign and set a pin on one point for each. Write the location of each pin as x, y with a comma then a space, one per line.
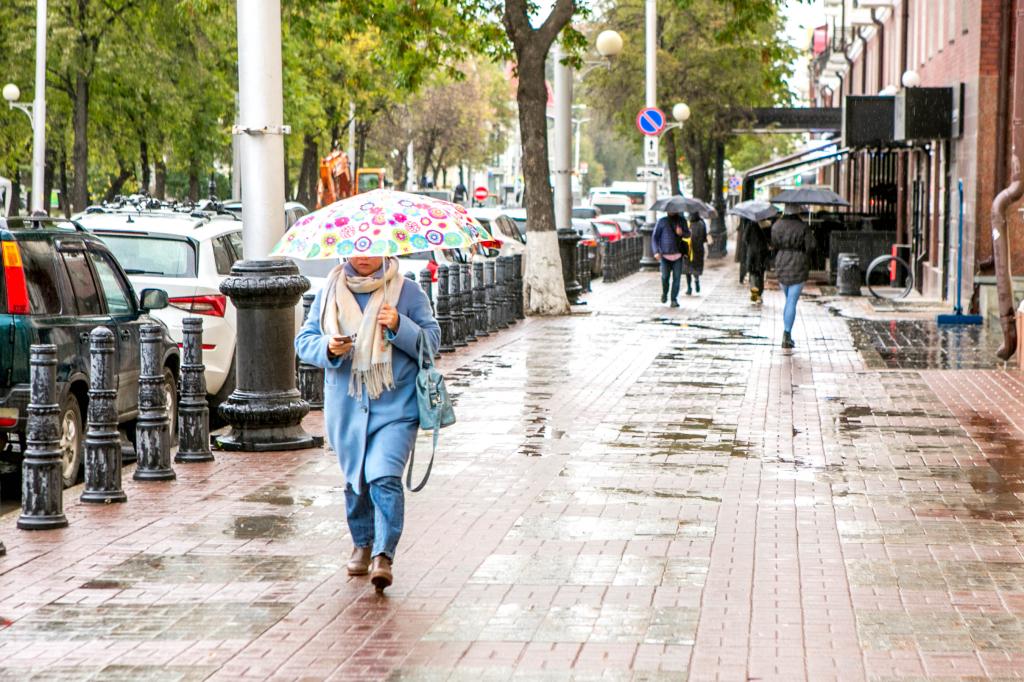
481, 193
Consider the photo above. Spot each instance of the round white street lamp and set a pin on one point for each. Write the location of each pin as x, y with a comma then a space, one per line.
609, 44
910, 79
888, 91
681, 112
12, 93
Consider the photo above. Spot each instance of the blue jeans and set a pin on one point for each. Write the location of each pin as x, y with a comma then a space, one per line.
671, 269
792, 293
377, 515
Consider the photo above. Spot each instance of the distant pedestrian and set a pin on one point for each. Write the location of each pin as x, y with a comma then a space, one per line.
667, 245
791, 240
698, 238
364, 328
756, 254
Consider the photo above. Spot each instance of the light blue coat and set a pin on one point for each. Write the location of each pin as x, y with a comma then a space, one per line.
372, 437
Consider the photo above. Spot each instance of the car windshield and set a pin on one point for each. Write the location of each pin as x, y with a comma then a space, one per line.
613, 207
150, 255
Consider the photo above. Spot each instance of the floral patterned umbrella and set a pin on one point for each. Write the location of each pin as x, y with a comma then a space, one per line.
382, 222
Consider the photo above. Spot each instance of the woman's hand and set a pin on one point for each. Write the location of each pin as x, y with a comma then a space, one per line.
388, 317
339, 346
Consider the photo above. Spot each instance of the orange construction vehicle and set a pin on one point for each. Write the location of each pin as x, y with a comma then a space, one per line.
336, 180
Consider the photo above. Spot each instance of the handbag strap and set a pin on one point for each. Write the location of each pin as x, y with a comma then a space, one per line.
422, 344
412, 458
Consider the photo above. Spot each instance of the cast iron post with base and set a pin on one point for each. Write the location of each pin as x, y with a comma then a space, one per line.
444, 316
567, 241
265, 410
193, 412
153, 430
42, 486
102, 439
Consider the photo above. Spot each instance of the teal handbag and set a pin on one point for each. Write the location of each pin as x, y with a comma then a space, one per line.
436, 410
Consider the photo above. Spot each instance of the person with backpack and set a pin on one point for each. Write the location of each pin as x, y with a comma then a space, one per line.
364, 328
668, 247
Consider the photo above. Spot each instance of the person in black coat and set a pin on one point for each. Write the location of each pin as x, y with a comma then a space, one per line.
756, 254
698, 239
791, 240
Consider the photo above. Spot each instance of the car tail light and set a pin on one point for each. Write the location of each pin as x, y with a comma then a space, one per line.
8, 417
588, 242
212, 304
14, 275
206, 346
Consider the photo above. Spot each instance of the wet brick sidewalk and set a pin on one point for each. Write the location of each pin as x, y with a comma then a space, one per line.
631, 493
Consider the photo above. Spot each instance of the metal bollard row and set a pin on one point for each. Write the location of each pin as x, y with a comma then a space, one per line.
444, 315
42, 487
153, 429
310, 379
102, 439
193, 410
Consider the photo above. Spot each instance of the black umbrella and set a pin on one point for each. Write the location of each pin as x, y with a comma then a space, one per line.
681, 204
810, 195
754, 210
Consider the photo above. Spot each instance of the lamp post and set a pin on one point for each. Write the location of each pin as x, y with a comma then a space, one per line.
36, 111
609, 45
265, 409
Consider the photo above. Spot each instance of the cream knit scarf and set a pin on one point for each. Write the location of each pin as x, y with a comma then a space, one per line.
340, 314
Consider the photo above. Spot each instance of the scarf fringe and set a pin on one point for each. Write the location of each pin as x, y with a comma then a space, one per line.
376, 380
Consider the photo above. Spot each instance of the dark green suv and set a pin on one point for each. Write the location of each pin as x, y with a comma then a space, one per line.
58, 283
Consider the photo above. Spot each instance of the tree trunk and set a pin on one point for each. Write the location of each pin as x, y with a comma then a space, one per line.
673, 163
49, 161
160, 179
700, 162
193, 180
144, 162
80, 150
117, 182
306, 194
65, 203
545, 286
16, 192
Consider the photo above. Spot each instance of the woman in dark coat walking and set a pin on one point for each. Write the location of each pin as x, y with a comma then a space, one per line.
756, 254
698, 238
668, 245
791, 240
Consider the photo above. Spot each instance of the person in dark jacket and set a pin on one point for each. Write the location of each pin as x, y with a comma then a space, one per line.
666, 243
756, 254
698, 239
791, 240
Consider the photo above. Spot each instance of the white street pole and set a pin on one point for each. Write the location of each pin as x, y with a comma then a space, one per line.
236, 160
39, 202
352, 139
563, 140
411, 181
261, 111
651, 45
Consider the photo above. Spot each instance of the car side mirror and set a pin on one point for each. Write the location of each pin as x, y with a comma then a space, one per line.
153, 299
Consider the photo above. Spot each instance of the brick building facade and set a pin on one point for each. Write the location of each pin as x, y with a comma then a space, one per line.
946, 43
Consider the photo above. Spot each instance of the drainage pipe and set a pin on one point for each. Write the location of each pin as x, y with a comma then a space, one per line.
1013, 193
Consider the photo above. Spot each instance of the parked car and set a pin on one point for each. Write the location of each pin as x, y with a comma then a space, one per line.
629, 224
187, 254
589, 236
607, 229
586, 212
293, 210
58, 283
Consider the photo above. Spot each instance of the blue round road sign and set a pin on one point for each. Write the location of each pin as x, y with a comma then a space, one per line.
650, 121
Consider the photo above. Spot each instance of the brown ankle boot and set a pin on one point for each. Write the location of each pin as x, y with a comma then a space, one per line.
359, 563
380, 572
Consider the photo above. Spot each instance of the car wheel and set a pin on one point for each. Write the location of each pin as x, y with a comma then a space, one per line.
72, 438
171, 399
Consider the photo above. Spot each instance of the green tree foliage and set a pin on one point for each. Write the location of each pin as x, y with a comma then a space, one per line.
718, 56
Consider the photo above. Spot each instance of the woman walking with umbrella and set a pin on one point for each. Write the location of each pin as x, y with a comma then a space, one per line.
667, 243
755, 222
366, 328
792, 240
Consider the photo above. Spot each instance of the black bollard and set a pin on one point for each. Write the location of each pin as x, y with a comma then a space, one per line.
102, 439
193, 411
455, 303
491, 297
468, 309
265, 410
501, 287
517, 268
510, 292
42, 485
444, 315
311, 377
427, 284
153, 429
479, 301
606, 262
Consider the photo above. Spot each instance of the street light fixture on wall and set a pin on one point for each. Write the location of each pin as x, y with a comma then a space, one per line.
910, 79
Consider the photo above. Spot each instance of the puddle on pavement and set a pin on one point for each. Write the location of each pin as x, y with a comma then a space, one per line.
264, 526
281, 495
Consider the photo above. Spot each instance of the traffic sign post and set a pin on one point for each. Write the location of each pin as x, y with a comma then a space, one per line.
650, 151
649, 173
650, 121
481, 193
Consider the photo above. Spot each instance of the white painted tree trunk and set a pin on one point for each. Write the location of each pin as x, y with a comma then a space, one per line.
544, 286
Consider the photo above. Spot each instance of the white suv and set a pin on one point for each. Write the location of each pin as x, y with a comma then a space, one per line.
186, 254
